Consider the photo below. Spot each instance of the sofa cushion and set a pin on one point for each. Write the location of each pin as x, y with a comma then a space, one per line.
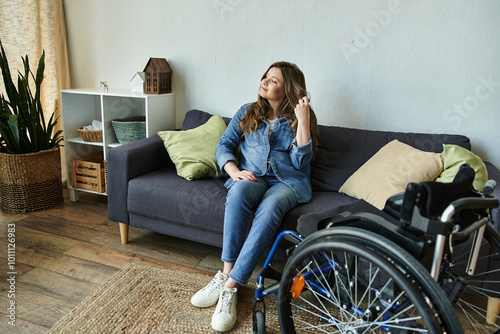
454, 157
193, 151
390, 170
165, 196
343, 150
194, 118
320, 201
189, 203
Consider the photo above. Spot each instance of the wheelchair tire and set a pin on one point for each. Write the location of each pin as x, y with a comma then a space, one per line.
356, 281
259, 323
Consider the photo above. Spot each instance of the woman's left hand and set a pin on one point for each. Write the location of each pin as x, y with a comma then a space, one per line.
302, 109
302, 112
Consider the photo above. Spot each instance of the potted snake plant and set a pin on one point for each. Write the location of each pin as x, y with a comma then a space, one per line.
30, 161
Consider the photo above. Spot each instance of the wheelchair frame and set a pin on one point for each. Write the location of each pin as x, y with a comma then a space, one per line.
437, 231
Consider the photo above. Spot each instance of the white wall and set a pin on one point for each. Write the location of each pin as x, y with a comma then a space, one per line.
426, 66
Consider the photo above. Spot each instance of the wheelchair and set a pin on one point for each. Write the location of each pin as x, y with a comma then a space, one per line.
427, 263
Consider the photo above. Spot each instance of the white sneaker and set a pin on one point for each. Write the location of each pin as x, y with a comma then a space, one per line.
224, 317
209, 295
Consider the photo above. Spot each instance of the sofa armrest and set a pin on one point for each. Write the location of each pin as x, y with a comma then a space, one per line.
127, 162
494, 174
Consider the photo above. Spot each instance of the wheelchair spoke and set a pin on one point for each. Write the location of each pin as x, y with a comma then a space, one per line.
336, 299
369, 288
475, 312
411, 329
482, 291
463, 254
480, 259
323, 280
398, 318
310, 325
486, 273
472, 320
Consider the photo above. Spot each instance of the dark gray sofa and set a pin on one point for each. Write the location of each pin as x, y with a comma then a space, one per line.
144, 190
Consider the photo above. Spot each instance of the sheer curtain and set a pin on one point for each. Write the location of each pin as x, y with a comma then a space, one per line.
27, 27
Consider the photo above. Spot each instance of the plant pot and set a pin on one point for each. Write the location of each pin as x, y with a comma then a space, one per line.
30, 182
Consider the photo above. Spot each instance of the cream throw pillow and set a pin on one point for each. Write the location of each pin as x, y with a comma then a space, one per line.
390, 170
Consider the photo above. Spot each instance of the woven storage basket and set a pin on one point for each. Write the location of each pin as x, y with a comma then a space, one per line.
90, 135
30, 182
130, 129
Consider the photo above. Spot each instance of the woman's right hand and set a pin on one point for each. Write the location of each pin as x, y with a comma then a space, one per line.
237, 175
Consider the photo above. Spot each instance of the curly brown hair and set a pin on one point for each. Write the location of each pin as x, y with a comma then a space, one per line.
295, 89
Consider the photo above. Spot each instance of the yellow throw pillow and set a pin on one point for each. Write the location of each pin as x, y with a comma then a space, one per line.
390, 170
193, 151
454, 157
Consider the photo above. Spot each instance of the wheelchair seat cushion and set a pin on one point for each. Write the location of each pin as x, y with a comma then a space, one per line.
310, 223
364, 216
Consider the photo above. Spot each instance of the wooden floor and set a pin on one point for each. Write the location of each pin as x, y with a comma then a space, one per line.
64, 254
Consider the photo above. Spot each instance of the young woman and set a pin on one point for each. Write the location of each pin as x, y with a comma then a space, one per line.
277, 137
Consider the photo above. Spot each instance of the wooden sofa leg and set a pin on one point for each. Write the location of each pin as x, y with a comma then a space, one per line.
124, 232
493, 310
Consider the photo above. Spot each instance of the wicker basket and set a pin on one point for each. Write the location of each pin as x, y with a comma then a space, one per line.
90, 135
130, 129
30, 182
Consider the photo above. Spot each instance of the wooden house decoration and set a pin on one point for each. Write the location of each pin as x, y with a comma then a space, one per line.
137, 83
157, 76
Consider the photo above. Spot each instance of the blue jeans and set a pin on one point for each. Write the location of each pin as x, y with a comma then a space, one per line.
271, 199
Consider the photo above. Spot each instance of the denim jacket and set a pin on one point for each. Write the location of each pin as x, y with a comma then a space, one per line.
290, 163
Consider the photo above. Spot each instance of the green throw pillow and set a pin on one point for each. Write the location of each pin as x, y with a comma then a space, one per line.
193, 151
454, 157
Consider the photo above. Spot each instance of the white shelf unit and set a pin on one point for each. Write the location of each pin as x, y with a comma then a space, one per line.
81, 106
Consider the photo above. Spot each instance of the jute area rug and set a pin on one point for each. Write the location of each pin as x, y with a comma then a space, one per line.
142, 298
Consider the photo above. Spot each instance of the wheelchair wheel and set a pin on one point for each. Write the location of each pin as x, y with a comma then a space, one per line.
259, 322
348, 280
473, 295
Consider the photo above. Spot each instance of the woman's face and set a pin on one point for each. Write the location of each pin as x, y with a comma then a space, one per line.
272, 87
